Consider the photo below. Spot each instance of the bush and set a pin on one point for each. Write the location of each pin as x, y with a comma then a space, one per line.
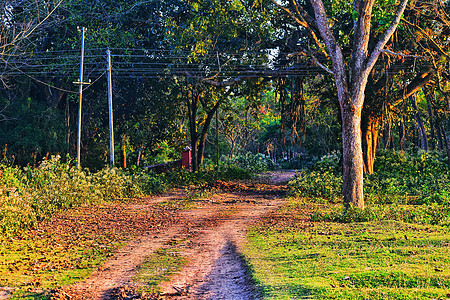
184, 178
420, 178
322, 179
415, 185
31, 195
417, 178
16, 213
254, 163
34, 194
433, 214
316, 184
328, 163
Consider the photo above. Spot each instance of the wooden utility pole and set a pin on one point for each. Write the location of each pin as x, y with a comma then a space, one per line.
80, 84
111, 128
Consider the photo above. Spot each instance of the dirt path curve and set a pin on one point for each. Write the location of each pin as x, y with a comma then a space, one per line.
213, 234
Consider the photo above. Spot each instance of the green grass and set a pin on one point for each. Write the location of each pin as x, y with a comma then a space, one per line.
158, 267
368, 260
34, 265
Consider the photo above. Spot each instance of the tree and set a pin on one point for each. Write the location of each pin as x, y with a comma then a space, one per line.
420, 49
44, 79
350, 73
220, 39
20, 21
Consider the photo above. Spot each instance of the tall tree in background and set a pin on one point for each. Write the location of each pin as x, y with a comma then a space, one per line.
417, 56
221, 39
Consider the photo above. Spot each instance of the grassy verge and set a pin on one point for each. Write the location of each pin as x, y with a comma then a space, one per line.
293, 257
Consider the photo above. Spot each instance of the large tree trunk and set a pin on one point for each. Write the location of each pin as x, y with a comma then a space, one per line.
352, 158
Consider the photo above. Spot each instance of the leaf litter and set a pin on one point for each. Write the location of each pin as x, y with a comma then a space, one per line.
209, 236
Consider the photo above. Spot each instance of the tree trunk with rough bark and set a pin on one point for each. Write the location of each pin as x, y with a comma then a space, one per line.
352, 158
351, 84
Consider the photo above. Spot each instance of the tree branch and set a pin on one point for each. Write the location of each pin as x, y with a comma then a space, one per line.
386, 36
387, 51
362, 35
433, 42
321, 65
301, 21
416, 84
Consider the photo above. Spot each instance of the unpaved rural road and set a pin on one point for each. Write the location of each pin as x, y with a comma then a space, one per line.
211, 237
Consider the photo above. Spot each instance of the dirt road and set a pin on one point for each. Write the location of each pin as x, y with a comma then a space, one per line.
210, 235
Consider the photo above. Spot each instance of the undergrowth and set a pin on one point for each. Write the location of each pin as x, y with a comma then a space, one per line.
410, 187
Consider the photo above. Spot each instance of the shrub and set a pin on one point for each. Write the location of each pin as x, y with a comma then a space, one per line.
16, 212
328, 163
433, 214
420, 178
184, 177
325, 185
254, 163
401, 178
34, 194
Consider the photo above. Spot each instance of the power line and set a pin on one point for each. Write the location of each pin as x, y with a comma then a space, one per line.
155, 63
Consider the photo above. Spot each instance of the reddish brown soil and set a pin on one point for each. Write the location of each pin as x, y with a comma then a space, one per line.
213, 234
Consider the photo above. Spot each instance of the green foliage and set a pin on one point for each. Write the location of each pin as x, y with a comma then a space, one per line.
417, 178
16, 212
324, 185
413, 178
34, 194
184, 177
414, 184
322, 180
32, 131
253, 163
432, 214
328, 163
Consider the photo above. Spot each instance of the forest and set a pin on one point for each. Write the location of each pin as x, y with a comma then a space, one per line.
94, 95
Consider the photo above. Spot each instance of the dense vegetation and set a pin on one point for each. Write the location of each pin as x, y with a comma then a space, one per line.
408, 187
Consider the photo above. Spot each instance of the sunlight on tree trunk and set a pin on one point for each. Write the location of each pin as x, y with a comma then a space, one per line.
370, 129
351, 84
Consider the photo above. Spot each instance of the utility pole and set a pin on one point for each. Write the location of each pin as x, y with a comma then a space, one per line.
217, 138
80, 84
111, 128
